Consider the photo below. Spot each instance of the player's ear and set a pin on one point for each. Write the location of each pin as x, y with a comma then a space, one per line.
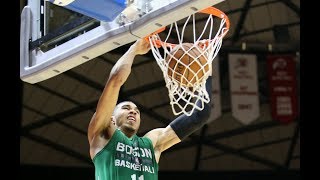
113, 120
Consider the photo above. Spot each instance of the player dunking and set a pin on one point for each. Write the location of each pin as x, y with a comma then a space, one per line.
115, 149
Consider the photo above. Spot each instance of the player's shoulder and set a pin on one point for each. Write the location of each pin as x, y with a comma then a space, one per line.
154, 134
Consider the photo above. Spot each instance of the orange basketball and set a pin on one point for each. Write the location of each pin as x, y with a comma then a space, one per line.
187, 68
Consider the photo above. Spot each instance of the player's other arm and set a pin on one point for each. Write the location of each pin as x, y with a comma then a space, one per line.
109, 97
181, 127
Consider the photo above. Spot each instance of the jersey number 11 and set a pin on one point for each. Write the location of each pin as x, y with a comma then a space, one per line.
134, 177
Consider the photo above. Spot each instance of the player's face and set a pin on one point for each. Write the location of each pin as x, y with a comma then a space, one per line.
127, 116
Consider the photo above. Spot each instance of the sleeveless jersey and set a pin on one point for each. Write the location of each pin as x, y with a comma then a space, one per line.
126, 158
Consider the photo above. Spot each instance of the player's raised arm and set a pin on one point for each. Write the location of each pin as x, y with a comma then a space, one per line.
109, 97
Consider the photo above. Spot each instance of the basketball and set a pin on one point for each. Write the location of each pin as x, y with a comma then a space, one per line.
187, 67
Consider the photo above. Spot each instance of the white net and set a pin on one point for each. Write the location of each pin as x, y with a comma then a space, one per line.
186, 63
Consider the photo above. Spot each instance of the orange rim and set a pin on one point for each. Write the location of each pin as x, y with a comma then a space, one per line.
157, 43
210, 10
216, 12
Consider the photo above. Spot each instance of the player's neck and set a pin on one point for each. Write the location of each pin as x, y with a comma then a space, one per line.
128, 132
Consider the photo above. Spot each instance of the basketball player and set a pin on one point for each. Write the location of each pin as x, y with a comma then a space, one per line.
115, 149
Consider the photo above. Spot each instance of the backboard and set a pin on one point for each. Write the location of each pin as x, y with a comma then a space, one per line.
91, 32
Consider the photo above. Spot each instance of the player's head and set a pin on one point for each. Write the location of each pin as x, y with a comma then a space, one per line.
126, 116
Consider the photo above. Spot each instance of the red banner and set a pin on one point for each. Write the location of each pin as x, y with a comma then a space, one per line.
283, 87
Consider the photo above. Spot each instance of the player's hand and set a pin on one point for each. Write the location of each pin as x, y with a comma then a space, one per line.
141, 46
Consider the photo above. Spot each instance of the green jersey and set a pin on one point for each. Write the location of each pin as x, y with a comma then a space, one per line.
126, 158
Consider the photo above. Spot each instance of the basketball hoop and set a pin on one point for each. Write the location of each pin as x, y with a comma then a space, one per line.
185, 99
